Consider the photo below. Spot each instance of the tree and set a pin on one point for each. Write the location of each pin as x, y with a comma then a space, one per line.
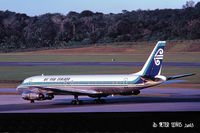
189, 4
19, 31
197, 7
86, 13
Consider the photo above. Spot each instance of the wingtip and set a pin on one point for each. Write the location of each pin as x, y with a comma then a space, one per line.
190, 74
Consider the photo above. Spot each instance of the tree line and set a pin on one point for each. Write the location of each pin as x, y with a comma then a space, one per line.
22, 32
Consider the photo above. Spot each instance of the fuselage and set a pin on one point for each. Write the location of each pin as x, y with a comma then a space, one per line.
106, 84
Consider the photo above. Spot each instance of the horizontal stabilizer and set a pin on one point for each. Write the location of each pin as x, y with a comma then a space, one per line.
173, 81
179, 76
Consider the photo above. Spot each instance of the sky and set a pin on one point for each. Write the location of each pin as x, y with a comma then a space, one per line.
38, 7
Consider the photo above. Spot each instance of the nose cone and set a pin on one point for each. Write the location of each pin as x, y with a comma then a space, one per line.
19, 88
22, 88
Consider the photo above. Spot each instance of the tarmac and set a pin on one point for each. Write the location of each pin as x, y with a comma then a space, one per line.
149, 100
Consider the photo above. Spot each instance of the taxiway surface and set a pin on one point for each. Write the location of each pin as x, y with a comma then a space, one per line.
151, 99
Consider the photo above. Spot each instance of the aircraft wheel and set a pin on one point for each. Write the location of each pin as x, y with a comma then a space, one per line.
73, 102
32, 101
102, 101
79, 102
99, 101
95, 101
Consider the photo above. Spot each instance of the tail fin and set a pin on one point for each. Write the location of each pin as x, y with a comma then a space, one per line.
153, 65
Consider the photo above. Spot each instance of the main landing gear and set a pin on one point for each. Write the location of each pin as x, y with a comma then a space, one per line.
32, 101
99, 101
76, 101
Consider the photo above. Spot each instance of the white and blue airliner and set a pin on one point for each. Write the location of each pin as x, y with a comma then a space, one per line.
44, 87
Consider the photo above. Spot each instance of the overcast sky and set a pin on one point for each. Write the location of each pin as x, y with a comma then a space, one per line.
38, 7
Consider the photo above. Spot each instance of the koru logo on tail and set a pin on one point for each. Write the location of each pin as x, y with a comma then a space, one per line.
158, 56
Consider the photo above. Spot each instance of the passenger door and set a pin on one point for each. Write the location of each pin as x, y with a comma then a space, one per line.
125, 81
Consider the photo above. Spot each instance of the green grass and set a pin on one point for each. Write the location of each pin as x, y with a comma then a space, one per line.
184, 57
172, 45
18, 73
175, 51
21, 72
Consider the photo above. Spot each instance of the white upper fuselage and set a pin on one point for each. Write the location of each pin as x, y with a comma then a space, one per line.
108, 84
71, 78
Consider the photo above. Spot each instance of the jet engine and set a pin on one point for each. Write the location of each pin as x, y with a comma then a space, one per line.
37, 96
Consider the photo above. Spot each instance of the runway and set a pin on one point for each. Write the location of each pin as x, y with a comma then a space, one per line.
149, 100
194, 64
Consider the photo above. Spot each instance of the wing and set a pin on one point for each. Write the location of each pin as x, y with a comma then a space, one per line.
179, 76
69, 90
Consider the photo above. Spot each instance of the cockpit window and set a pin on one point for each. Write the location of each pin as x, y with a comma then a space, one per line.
27, 80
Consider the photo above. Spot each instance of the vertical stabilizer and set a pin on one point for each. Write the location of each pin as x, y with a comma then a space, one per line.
153, 65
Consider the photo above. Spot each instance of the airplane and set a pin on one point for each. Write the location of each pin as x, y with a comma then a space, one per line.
44, 87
